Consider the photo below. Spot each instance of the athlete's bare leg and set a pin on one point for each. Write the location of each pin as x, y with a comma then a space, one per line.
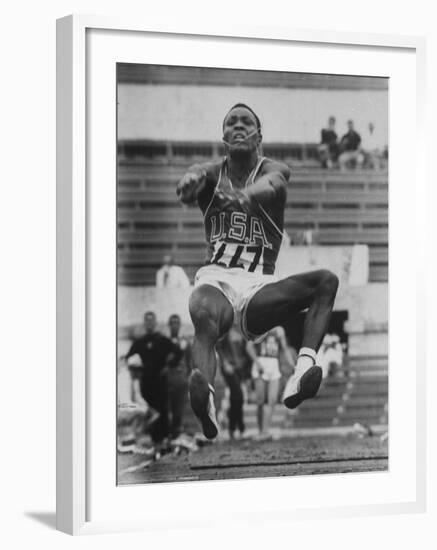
274, 304
212, 317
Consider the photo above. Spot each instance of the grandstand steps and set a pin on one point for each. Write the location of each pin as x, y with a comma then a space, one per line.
188, 256
340, 420
154, 237
361, 413
367, 377
342, 208
325, 401
318, 412
193, 217
149, 170
330, 394
343, 411
282, 418
367, 374
369, 361
359, 397
166, 194
305, 423
369, 390
375, 421
352, 402
341, 402
324, 423
365, 401
154, 259
133, 273
360, 389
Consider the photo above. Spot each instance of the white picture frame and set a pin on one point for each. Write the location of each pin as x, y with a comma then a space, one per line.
74, 342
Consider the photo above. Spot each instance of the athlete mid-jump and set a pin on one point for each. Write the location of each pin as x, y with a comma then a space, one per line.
242, 199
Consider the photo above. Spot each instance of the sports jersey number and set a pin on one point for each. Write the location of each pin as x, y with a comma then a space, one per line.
234, 262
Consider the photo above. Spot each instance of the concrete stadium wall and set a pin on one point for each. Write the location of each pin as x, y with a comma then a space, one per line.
184, 113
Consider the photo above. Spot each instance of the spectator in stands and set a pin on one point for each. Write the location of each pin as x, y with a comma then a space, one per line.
231, 368
170, 275
328, 148
177, 376
370, 149
147, 360
350, 153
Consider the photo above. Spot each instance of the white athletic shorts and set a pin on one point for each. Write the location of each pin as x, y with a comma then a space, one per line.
270, 369
239, 287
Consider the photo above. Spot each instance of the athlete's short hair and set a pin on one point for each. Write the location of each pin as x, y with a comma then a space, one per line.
258, 122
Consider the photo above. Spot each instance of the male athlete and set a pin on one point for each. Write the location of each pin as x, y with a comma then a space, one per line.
242, 199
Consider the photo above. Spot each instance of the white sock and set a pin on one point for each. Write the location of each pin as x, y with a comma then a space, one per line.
305, 359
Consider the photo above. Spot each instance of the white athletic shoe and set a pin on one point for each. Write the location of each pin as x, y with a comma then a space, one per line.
303, 384
126, 445
202, 403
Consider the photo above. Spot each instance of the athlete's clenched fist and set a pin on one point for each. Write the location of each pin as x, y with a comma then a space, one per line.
190, 185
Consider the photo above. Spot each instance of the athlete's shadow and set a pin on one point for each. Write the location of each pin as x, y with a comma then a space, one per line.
46, 518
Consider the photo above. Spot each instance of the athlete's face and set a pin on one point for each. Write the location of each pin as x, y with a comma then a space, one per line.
240, 130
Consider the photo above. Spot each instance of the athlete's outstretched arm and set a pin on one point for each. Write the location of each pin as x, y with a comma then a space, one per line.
196, 179
272, 185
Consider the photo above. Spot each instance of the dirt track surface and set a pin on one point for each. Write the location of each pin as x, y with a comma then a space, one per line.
252, 459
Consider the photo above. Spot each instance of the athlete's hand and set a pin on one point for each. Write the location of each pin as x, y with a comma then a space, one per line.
234, 200
190, 185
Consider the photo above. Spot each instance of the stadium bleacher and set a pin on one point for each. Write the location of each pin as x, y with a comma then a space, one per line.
360, 397
341, 208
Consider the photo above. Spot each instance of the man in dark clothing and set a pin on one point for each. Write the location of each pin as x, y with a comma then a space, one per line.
328, 148
231, 371
350, 153
177, 376
155, 351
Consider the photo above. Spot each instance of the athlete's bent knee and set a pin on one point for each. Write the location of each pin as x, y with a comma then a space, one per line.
328, 282
203, 314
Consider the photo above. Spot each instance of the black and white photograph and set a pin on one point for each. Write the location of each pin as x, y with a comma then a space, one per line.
252, 274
